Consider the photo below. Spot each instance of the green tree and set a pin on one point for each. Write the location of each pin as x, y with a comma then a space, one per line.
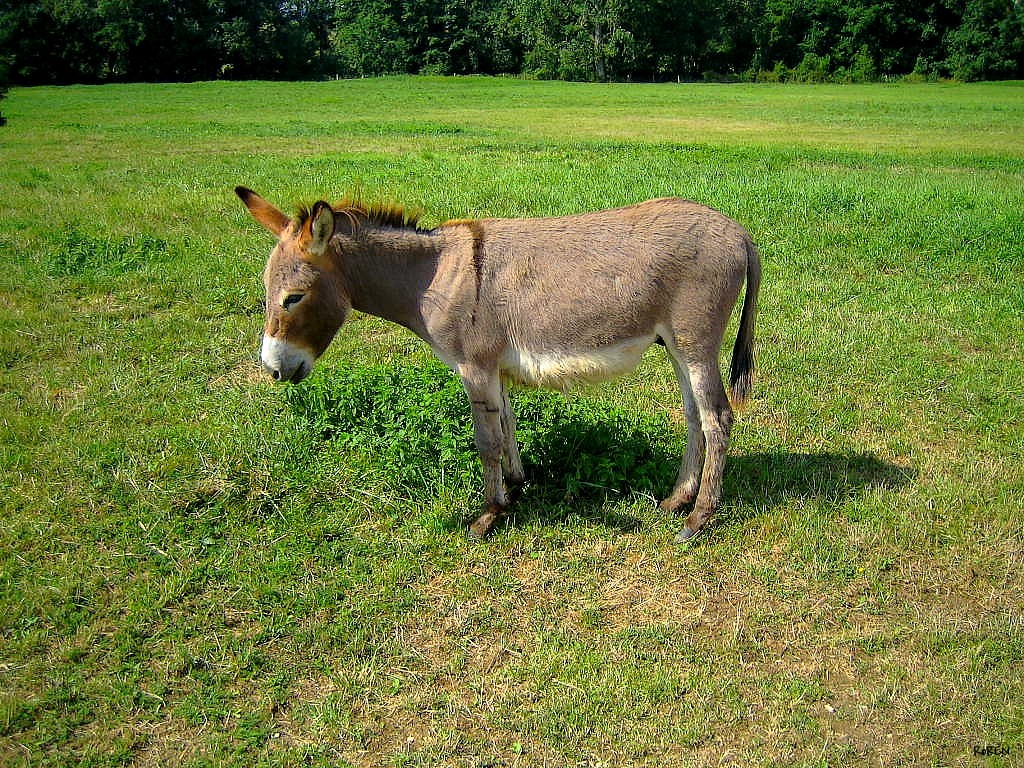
989, 42
460, 36
730, 38
791, 29
271, 39
158, 39
60, 41
538, 24
578, 40
687, 38
367, 40
50, 41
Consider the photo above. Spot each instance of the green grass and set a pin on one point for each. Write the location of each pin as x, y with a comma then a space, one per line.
198, 568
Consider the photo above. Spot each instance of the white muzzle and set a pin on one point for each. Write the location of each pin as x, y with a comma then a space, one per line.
285, 361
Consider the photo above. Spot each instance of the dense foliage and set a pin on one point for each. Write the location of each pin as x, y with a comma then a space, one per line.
4, 81
61, 41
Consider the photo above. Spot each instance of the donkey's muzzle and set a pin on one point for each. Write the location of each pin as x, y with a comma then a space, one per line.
284, 361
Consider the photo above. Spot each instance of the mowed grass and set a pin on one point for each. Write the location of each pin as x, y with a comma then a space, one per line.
199, 568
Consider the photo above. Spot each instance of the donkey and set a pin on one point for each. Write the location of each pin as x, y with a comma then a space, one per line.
540, 302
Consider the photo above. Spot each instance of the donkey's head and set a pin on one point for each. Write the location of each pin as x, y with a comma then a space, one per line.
306, 301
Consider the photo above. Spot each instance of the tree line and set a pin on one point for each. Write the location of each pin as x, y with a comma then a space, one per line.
95, 41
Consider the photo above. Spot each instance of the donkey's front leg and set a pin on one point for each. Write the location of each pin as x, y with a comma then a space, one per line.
484, 390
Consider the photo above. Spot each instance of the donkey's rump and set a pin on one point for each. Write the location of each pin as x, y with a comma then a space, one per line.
582, 297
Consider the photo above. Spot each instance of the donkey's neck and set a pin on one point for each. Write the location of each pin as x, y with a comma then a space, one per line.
387, 272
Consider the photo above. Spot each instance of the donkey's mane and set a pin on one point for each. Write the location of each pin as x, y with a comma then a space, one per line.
380, 214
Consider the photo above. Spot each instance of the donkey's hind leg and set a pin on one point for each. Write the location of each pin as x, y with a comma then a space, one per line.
716, 423
715, 414
688, 481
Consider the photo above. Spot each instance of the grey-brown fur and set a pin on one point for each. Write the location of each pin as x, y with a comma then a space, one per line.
542, 302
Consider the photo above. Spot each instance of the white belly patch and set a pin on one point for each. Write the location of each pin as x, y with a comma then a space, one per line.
561, 369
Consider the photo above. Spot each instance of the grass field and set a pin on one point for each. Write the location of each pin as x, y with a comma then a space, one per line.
198, 568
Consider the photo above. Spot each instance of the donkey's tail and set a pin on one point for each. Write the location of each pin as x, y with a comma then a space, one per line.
741, 371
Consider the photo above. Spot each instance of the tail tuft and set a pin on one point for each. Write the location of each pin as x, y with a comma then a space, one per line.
741, 370
741, 377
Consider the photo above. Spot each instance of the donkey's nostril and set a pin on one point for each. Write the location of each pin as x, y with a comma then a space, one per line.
276, 374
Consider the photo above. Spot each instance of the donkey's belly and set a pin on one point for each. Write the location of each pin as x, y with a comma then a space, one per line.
563, 368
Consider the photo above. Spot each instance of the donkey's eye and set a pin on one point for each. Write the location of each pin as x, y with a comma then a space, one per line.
292, 299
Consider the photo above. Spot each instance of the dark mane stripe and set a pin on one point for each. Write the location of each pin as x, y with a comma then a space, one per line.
379, 214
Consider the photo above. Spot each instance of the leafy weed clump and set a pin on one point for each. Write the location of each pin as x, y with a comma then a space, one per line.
414, 424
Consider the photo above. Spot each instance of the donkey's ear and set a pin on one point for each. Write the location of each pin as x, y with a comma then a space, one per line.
321, 228
264, 212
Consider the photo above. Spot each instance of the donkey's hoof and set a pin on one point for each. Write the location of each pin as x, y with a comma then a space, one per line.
484, 524
687, 535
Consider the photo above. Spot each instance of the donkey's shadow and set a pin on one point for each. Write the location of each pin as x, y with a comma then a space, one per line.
574, 466
578, 452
